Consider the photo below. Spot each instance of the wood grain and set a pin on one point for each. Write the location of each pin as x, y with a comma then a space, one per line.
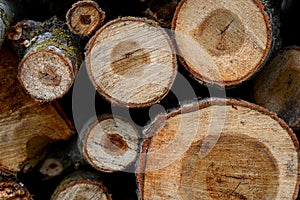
26, 126
131, 62
219, 149
277, 86
222, 42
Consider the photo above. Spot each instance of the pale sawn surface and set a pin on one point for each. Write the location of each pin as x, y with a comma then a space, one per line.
222, 42
26, 126
132, 62
254, 157
111, 145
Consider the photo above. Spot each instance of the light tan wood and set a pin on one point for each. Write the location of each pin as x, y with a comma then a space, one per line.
219, 149
131, 62
110, 144
12, 190
85, 17
277, 86
222, 42
81, 185
26, 126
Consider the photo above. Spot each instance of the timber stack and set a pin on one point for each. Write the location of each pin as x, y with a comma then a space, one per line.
138, 133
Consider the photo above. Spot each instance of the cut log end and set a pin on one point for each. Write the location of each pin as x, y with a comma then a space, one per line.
85, 17
45, 75
243, 156
131, 61
12, 190
51, 168
222, 43
111, 144
81, 185
277, 86
26, 125
82, 191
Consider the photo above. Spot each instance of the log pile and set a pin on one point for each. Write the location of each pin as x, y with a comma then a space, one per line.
139, 132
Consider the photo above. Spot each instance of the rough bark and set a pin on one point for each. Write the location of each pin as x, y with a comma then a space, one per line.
26, 126
10, 189
225, 43
161, 11
81, 185
109, 144
131, 62
277, 86
219, 149
85, 17
61, 157
6, 17
50, 57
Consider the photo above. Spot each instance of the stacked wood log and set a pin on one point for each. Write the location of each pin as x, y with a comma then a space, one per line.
109, 144
81, 185
10, 189
50, 57
225, 42
131, 62
85, 17
277, 87
213, 148
219, 149
26, 126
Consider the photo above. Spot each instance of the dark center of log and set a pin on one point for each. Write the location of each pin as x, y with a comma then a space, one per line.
114, 144
85, 19
53, 166
49, 76
221, 32
238, 167
127, 57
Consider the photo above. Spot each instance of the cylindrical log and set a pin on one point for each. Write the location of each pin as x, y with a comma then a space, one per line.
161, 11
85, 17
26, 126
219, 149
81, 185
131, 61
61, 157
50, 60
225, 42
12, 190
109, 144
277, 86
6, 16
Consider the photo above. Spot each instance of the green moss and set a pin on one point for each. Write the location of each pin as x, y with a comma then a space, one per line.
55, 33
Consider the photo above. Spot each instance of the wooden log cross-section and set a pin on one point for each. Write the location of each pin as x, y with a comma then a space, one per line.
277, 86
26, 126
85, 17
227, 41
131, 61
109, 144
50, 57
219, 149
81, 185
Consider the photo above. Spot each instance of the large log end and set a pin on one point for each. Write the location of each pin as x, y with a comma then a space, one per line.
219, 149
